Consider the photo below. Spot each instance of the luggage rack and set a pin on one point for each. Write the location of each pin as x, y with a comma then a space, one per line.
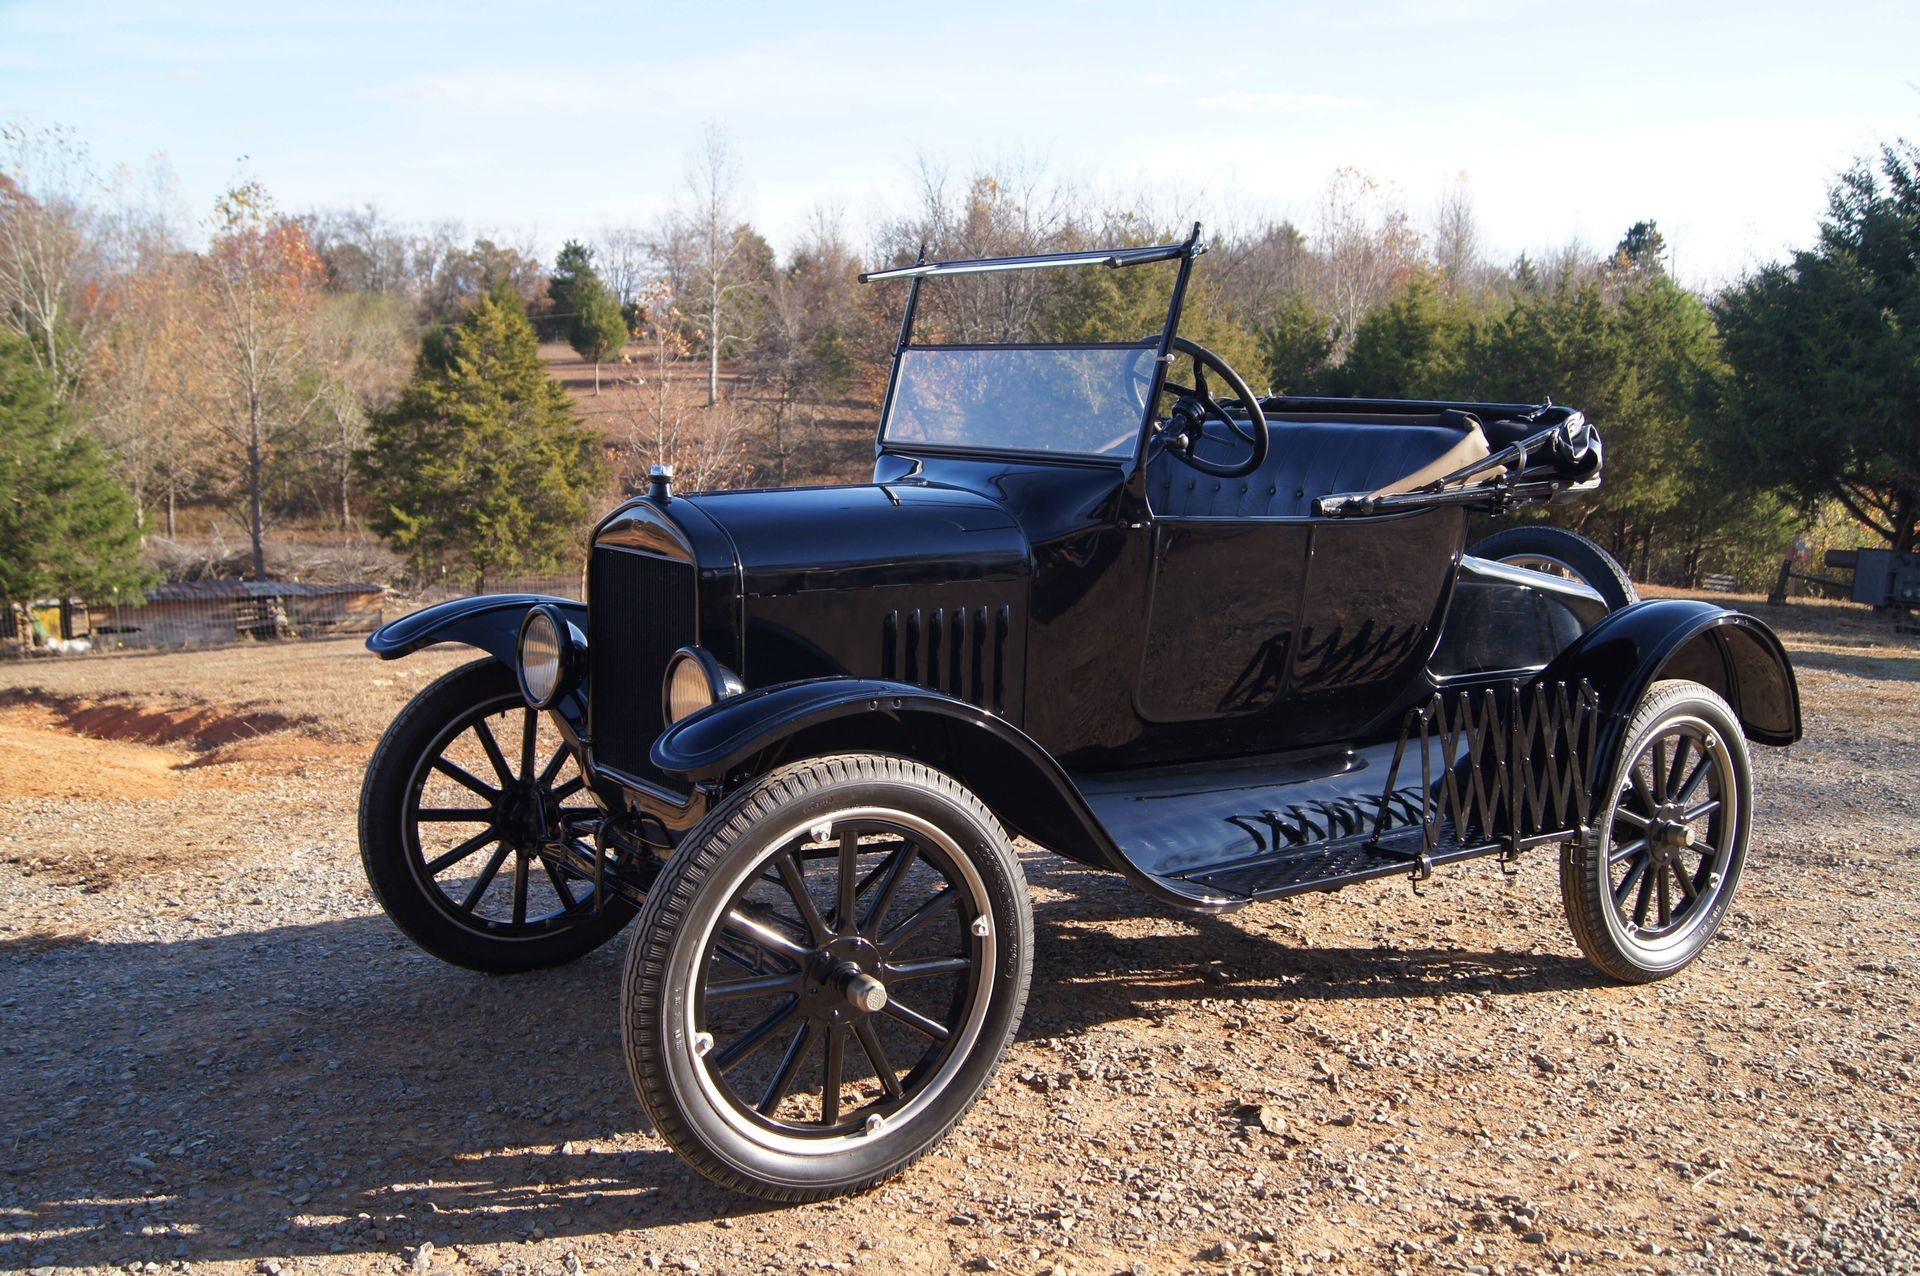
1514, 775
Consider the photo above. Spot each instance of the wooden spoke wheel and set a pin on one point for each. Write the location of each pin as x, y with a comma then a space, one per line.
1646, 897
466, 808
826, 975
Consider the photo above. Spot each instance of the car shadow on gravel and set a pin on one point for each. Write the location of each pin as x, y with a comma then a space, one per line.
314, 1089
325, 1088
1884, 668
1180, 957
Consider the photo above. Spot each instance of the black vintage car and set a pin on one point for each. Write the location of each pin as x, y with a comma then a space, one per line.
1232, 648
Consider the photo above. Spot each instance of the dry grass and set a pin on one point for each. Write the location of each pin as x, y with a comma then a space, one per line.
332, 688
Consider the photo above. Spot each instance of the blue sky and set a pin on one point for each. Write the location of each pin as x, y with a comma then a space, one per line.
1724, 122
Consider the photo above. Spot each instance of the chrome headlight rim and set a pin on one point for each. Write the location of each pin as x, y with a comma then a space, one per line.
708, 683
544, 678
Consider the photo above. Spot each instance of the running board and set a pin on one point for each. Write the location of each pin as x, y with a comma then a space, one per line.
1493, 770
1328, 866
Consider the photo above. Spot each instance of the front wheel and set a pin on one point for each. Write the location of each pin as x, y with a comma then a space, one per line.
1646, 894
826, 975
465, 805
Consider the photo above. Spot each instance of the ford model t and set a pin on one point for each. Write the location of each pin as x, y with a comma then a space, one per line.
1100, 596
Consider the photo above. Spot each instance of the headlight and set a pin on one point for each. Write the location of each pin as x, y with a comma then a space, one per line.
545, 654
695, 680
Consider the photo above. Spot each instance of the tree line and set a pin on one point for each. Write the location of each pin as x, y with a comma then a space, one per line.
334, 370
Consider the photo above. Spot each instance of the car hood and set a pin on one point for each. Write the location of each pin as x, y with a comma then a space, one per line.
875, 534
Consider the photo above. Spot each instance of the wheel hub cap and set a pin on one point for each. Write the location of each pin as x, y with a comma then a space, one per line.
862, 990
844, 982
1668, 834
524, 819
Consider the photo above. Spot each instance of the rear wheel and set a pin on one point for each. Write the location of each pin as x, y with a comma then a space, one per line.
465, 804
1559, 552
1645, 897
826, 975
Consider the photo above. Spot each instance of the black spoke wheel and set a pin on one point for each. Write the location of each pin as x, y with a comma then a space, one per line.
826, 976
1646, 897
467, 806
1559, 552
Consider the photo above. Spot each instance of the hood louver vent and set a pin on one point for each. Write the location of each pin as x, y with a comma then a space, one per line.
959, 650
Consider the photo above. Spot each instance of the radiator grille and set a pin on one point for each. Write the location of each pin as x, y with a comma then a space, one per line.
640, 611
959, 650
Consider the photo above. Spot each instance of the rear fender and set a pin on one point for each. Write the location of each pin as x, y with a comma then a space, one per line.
490, 622
1019, 780
1730, 652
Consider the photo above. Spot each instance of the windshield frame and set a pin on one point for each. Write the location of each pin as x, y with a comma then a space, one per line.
1112, 259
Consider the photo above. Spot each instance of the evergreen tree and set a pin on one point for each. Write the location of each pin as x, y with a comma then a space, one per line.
574, 261
1298, 342
482, 463
66, 524
1641, 251
1409, 348
598, 329
1823, 389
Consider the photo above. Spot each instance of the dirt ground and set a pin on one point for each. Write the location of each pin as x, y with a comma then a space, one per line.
217, 1055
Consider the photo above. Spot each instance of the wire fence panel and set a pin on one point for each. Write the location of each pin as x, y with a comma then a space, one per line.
212, 613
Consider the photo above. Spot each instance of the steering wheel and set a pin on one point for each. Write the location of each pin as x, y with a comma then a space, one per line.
1195, 405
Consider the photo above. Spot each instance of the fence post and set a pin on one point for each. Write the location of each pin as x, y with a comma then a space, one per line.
1779, 595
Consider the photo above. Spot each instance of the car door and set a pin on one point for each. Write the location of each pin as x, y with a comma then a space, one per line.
1266, 634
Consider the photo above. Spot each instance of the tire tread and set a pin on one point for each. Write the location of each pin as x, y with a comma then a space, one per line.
1582, 864
667, 907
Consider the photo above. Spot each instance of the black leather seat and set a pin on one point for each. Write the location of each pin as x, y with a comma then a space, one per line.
1307, 459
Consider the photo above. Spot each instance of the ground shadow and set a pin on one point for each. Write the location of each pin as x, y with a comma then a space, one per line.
324, 1088
1884, 668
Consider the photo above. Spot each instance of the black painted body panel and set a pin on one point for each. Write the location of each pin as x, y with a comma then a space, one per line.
1149, 694
1731, 652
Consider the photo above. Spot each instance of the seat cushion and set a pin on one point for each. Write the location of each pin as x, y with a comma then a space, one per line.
1307, 460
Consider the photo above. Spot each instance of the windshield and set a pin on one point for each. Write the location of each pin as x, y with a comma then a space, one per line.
1082, 400
1038, 354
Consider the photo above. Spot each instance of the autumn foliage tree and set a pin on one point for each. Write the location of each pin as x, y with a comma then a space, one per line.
481, 463
262, 280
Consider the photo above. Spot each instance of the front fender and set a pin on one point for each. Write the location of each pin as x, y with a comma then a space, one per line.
1731, 652
1022, 784
719, 739
490, 622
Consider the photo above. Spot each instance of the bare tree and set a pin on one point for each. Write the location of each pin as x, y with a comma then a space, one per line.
706, 241
148, 399
1456, 240
49, 267
1366, 243
1257, 270
262, 279
1008, 210
365, 251
359, 344
624, 258
703, 446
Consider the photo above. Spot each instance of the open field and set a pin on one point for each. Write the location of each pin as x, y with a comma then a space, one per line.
218, 1055
830, 442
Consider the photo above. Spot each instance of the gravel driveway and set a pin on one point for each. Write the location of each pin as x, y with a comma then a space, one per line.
218, 1055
